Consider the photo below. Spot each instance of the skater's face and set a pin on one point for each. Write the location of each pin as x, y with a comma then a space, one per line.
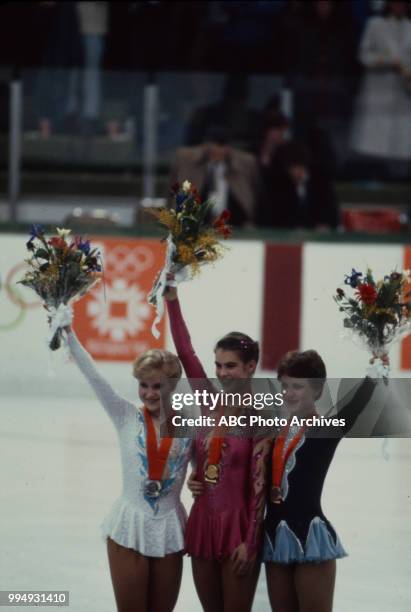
229, 366
299, 394
152, 390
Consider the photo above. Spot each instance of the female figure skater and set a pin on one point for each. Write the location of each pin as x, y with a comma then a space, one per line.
144, 529
300, 544
223, 529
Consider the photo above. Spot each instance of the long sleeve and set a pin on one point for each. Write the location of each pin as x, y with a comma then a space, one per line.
354, 407
115, 406
258, 481
181, 337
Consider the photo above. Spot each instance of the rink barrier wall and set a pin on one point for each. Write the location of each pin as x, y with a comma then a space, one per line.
280, 294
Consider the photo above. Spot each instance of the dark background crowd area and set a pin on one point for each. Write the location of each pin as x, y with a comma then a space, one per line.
274, 36
219, 118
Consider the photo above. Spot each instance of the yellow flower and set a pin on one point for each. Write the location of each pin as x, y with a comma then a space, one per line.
186, 186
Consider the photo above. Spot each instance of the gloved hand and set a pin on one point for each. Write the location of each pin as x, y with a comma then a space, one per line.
60, 317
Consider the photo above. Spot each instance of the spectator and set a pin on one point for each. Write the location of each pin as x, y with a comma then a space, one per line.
324, 73
275, 133
231, 111
300, 197
222, 173
382, 124
77, 35
61, 54
93, 18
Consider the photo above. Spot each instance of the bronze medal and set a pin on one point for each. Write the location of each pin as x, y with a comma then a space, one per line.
212, 473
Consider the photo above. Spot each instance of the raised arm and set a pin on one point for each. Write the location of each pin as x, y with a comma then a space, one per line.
352, 409
115, 406
181, 337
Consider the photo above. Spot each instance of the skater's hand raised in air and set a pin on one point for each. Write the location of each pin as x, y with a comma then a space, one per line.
63, 316
170, 292
384, 357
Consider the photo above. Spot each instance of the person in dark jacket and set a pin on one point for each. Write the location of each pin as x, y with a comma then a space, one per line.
298, 194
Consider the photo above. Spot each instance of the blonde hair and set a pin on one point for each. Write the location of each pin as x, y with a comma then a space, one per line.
154, 360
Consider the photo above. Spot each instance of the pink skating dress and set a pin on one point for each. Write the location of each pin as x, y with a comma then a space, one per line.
231, 511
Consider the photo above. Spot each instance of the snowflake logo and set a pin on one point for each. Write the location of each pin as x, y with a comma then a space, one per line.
120, 311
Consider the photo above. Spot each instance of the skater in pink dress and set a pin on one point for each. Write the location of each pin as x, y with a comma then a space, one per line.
224, 526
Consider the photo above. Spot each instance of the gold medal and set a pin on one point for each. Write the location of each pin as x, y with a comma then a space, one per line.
212, 473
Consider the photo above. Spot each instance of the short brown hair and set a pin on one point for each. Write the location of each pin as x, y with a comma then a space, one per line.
303, 364
155, 360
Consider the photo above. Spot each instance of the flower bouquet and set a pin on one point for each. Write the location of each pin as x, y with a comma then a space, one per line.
379, 312
60, 272
193, 240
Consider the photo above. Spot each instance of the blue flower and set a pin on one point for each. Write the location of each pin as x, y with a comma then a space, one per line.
84, 247
36, 231
353, 278
180, 199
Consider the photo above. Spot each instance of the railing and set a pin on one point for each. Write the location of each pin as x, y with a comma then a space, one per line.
140, 119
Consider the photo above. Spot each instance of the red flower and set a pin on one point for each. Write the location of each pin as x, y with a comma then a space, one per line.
225, 231
196, 195
367, 293
220, 224
222, 218
57, 242
175, 188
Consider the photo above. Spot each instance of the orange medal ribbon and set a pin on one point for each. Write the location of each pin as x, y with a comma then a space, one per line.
214, 450
156, 455
279, 461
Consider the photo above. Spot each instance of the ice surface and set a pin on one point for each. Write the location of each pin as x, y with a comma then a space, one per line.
60, 472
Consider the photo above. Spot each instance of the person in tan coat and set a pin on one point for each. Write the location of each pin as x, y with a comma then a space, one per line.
224, 174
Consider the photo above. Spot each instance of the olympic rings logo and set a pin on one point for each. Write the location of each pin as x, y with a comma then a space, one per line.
120, 260
16, 296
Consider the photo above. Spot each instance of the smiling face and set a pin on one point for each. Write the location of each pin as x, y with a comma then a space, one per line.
152, 390
229, 366
299, 394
